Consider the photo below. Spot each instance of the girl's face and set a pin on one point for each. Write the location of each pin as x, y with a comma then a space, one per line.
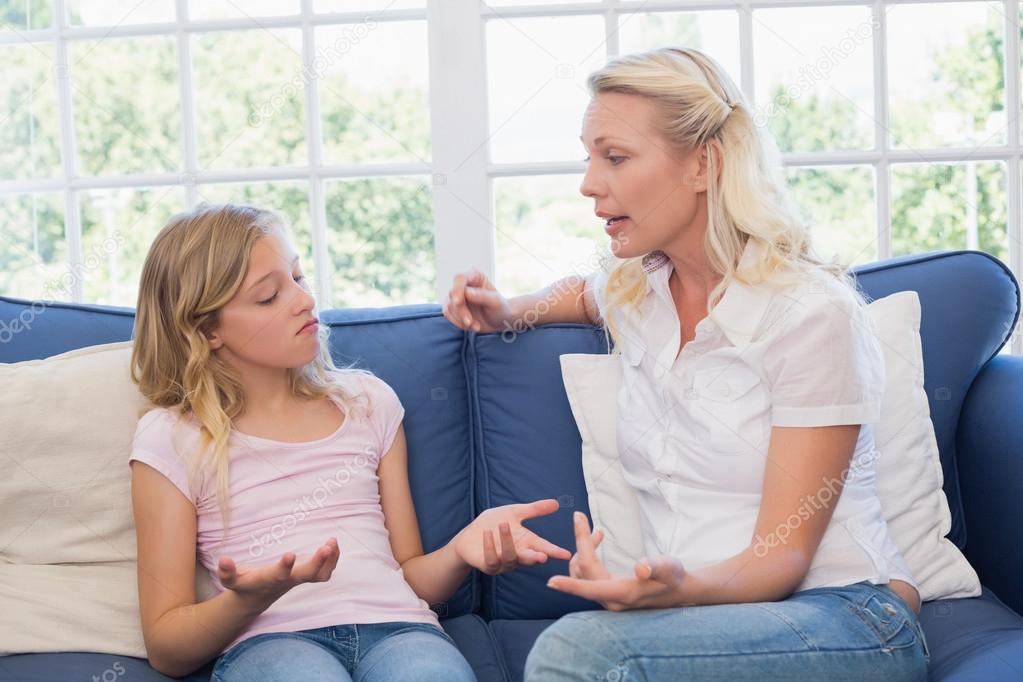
267, 323
633, 172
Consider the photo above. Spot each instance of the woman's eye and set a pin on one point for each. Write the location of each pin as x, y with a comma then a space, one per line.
299, 278
269, 300
615, 160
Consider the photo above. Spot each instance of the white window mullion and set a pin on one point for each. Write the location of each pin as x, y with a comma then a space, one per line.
72, 214
1013, 186
188, 136
746, 77
881, 124
314, 142
462, 203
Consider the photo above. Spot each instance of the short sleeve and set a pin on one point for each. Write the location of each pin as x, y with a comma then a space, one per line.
386, 412
825, 366
154, 446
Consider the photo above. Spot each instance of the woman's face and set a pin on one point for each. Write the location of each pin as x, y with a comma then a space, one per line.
266, 323
632, 171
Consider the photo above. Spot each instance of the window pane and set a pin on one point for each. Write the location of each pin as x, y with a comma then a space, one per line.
119, 12
30, 134
33, 253
380, 241
949, 206
234, 9
536, 75
814, 76
945, 75
290, 199
838, 203
546, 230
356, 5
118, 129
373, 92
249, 99
25, 15
714, 33
118, 225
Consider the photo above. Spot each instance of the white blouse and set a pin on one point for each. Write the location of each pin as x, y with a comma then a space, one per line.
693, 432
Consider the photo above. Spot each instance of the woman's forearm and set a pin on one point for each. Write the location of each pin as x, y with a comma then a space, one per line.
743, 578
562, 301
436, 576
187, 637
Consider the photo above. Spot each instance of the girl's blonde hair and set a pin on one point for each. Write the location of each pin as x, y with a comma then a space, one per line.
194, 267
698, 103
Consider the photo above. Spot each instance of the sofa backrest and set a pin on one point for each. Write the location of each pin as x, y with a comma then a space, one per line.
488, 421
412, 348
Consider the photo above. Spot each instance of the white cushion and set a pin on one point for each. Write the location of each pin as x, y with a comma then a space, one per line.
909, 470
67, 539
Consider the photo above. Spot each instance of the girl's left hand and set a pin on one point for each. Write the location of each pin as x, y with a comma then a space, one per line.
497, 542
656, 584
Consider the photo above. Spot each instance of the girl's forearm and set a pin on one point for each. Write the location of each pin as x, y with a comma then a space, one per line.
187, 637
436, 576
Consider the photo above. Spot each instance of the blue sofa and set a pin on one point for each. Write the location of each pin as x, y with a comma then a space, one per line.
488, 423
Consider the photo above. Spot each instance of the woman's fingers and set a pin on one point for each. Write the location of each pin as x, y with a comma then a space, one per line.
583, 539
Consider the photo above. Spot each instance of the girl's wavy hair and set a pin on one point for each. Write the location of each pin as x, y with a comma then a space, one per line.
697, 103
194, 267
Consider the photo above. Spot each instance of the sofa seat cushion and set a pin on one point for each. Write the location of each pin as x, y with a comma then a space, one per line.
978, 639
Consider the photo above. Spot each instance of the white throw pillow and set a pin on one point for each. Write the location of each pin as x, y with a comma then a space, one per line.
67, 538
909, 469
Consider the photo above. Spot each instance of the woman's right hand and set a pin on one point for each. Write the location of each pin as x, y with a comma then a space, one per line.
263, 585
474, 304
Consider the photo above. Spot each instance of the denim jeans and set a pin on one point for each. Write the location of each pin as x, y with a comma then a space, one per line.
377, 652
857, 632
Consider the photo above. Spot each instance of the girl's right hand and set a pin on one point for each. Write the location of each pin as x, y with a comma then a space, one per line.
474, 304
263, 585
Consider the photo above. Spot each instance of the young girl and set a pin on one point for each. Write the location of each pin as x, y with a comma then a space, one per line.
257, 444
750, 381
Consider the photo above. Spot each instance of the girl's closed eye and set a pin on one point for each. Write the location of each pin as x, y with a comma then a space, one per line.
270, 300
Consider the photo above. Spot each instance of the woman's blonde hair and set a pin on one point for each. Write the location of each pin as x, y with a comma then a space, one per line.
698, 103
194, 267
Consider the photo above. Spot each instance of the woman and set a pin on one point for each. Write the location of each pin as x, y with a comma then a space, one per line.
750, 380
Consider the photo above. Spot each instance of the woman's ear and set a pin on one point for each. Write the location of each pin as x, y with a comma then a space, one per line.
700, 163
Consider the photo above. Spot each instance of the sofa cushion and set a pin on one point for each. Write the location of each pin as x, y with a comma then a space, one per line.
977, 639
966, 291
528, 449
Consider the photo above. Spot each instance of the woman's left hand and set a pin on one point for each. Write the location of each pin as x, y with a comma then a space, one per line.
497, 542
655, 585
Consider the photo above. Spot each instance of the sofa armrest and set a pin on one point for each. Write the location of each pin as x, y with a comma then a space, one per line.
989, 446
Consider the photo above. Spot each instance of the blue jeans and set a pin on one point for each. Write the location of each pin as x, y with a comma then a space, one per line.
376, 652
857, 632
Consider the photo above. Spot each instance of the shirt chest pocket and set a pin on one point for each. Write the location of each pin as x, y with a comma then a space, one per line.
730, 402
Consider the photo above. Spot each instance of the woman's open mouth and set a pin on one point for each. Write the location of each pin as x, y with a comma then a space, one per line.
615, 225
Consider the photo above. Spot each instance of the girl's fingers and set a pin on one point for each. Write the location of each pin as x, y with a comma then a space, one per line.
598, 537
490, 551
549, 548
508, 553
